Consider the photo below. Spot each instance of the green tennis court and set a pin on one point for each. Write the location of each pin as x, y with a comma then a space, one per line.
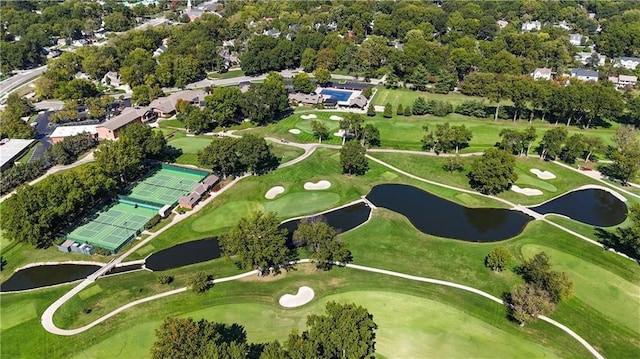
113, 228
166, 185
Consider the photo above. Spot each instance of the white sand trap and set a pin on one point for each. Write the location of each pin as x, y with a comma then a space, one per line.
526, 191
336, 118
304, 296
295, 131
546, 175
308, 117
340, 133
273, 192
323, 184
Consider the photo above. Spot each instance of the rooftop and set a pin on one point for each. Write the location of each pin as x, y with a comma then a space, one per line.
11, 149
66, 131
584, 73
127, 116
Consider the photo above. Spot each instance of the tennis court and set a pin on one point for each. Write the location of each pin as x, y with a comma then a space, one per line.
166, 185
115, 227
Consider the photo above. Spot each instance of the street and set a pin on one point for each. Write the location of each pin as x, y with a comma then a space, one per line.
19, 79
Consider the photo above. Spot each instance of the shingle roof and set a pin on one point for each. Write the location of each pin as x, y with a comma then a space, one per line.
210, 181
584, 73
127, 116
359, 101
189, 199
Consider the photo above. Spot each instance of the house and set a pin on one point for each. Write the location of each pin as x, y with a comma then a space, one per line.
305, 99
11, 150
272, 32
531, 26
359, 101
166, 106
584, 74
53, 53
82, 75
110, 129
543, 73
80, 43
330, 103
630, 63
190, 200
159, 51
111, 78
502, 23
587, 57
563, 25
61, 132
624, 81
577, 39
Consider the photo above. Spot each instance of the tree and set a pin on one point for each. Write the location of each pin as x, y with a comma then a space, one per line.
308, 60
460, 137
326, 58
322, 241
346, 331
371, 111
388, 111
552, 142
526, 302
537, 272
302, 83
266, 102
408, 111
141, 95
199, 282
320, 130
400, 110
498, 259
370, 136
453, 164
224, 106
257, 242
117, 22
496, 91
352, 158
222, 156
510, 140
592, 145
322, 76
255, 154
352, 125
136, 65
528, 137
420, 78
420, 106
493, 172
573, 148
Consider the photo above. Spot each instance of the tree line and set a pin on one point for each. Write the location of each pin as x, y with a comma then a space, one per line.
37, 214
235, 156
11, 123
346, 330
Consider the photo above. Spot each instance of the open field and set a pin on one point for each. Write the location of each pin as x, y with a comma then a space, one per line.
405, 133
226, 75
406, 97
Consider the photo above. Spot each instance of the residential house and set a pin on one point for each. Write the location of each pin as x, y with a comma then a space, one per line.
111, 78
275, 33
630, 63
577, 39
53, 53
624, 81
584, 74
159, 51
62, 132
359, 101
531, 26
80, 43
587, 57
166, 106
543, 73
111, 128
563, 25
502, 23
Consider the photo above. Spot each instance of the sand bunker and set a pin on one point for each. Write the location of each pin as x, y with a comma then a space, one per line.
273, 192
335, 118
295, 131
308, 117
323, 184
304, 296
526, 191
543, 174
340, 133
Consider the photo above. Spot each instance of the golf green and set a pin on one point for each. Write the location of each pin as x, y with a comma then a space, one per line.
17, 314
408, 327
525, 179
606, 292
305, 125
190, 144
308, 202
225, 216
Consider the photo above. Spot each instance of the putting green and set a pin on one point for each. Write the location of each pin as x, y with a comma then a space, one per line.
408, 327
17, 314
226, 216
190, 144
526, 180
611, 295
305, 125
295, 204
90, 292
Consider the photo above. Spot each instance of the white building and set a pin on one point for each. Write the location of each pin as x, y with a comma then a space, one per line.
502, 23
577, 39
624, 81
563, 25
630, 63
585, 57
531, 26
543, 73
584, 74
61, 132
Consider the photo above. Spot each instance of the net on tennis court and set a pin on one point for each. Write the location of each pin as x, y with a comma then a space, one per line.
159, 185
114, 225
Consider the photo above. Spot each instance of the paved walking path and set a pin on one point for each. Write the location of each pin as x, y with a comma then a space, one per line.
47, 321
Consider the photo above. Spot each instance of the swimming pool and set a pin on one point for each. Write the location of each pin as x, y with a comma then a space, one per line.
340, 95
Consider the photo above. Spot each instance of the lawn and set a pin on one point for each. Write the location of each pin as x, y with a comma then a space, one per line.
431, 167
405, 133
226, 75
406, 97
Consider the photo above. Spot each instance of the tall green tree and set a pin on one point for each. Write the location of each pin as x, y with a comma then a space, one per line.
266, 102
493, 172
552, 142
303, 83
320, 130
322, 241
322, 76
257, 242
352, 158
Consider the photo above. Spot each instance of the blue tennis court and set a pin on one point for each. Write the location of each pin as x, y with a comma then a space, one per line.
340, 95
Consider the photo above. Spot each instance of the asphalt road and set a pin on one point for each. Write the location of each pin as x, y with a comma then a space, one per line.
19, 79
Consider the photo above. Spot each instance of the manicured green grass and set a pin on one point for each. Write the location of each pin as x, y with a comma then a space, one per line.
407, 97
606, 292
431, 167
90, 292
227, 75
171, 123
405, 133
190, 144
287, 205
17, 314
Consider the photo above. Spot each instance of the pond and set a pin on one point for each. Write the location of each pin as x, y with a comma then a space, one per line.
595, 207
46, 275
439, 217
203, 250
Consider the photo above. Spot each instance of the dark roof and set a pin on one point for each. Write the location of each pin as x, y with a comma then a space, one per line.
210, 181
189, 199
200, 189
350, 85
331, 101
584, 73
127, 116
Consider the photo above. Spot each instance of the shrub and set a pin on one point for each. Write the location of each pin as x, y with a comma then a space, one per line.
472, 108
199, 282
165, 279
400, 110
408, 111
498, 259
388, 111
153, 221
